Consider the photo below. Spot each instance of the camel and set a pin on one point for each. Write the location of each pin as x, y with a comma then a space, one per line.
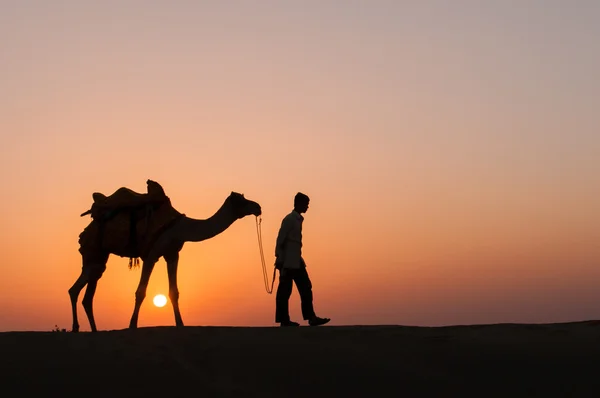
177, 229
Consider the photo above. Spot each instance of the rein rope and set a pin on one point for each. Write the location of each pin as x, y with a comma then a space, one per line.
262, 257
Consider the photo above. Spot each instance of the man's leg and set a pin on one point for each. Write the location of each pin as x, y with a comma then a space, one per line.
304, 286
284, 291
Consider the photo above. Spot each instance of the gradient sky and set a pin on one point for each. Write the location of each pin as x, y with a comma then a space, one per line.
451, 151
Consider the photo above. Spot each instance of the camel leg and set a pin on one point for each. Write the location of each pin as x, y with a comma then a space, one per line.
94, 265
172, 262
74, 294
88, 300
140, 293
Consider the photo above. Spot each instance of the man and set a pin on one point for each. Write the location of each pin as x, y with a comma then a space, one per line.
292, 268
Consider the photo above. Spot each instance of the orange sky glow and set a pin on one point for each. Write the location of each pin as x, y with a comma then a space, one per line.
451, 154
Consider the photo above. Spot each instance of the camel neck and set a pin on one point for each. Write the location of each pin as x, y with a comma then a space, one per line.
196, 230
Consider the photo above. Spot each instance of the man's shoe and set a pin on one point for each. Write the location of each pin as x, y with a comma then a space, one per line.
316, 321
289, 324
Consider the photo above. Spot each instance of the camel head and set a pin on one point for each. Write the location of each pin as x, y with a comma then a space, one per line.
243, 207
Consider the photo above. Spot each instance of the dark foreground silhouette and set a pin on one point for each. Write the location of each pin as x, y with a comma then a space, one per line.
505, 360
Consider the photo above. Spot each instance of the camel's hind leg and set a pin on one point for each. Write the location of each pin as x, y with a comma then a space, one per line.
88, 299
140, 293
74, 294
91, 271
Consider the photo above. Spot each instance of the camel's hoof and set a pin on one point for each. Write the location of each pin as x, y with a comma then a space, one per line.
75, 330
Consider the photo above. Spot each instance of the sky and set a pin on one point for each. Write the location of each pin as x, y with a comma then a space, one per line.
451, 151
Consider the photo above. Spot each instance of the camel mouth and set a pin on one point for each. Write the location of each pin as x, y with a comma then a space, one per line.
257, 211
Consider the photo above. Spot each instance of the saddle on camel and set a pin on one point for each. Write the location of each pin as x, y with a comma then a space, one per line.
127, 223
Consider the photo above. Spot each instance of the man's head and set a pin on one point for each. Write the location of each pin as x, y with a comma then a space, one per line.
301, 202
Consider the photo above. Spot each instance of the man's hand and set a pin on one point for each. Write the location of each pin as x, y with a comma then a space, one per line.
278, 263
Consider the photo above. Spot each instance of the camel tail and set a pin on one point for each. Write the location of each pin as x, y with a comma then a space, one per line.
134, 262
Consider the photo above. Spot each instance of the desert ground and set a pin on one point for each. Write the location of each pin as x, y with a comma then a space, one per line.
501, 360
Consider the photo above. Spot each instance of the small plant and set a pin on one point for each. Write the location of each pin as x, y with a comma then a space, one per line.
57, 329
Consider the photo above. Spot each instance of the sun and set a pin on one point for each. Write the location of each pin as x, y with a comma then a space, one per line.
160, 300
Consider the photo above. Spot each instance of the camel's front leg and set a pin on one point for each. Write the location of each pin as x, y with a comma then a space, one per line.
140, 293
172, 262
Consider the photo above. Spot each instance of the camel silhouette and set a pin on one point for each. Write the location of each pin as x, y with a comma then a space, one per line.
145, 226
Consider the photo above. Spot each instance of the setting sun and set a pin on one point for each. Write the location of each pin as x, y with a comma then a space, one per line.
160, 300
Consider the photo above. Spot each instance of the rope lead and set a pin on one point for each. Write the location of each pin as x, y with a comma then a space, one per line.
262, 258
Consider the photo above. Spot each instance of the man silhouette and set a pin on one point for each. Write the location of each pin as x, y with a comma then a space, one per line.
292, 268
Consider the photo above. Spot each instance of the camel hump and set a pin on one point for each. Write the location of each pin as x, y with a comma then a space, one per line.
122, 197
127, 198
